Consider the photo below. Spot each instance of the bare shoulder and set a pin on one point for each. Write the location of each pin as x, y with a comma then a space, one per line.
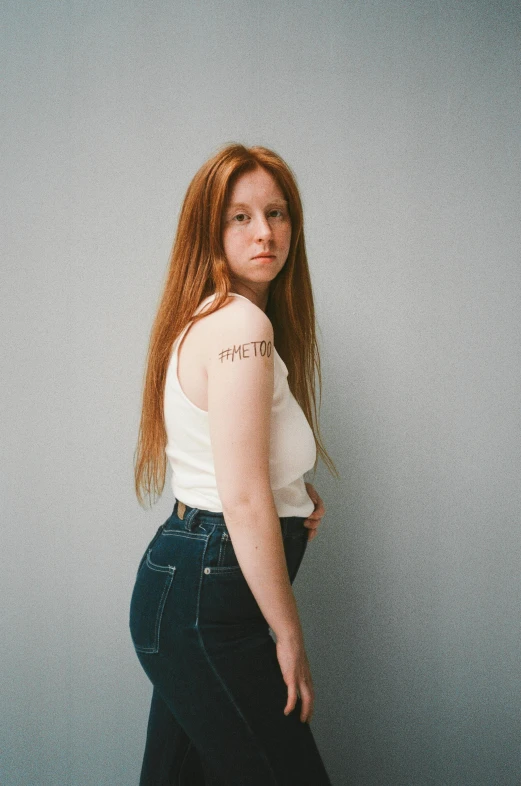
238, 327
237, 310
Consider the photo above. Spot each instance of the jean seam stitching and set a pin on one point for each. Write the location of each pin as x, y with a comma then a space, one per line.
183, 761
180, 534
166, 589
220, 679
189, 518
222, 548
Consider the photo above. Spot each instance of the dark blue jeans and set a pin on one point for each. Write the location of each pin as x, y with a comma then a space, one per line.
216, 717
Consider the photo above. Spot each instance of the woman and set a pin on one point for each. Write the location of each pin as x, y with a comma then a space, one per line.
230, 706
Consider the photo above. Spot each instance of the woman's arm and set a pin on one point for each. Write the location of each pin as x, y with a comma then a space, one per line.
240, 369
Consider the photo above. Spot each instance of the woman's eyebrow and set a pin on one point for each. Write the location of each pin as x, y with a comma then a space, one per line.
279, 201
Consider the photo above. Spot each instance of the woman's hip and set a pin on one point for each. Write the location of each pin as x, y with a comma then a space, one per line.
189, 576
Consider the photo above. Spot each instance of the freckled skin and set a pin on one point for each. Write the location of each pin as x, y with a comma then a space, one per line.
256, 220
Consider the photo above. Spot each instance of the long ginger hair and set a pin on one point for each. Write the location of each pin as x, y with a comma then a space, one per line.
198, 268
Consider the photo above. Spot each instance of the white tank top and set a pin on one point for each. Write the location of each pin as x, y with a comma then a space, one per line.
189, 450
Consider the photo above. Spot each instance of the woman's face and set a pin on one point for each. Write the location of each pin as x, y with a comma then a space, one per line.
256, 221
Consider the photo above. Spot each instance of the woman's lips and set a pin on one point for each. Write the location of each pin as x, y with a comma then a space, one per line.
265, 257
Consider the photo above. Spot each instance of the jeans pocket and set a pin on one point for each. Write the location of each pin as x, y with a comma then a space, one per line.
227, 561
149, 547
148, 600
220, 557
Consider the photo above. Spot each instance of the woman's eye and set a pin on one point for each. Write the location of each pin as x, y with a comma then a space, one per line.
241, 218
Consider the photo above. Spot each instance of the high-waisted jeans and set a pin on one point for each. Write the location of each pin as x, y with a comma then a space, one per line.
216, 717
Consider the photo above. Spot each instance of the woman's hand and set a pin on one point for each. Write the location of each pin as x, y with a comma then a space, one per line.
296, 673
314, 518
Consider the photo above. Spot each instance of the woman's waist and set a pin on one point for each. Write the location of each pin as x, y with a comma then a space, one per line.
190, 515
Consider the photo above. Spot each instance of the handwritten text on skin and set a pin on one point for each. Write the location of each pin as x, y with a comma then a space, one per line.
242, 351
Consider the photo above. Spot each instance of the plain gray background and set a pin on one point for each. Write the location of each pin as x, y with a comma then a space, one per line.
402, 123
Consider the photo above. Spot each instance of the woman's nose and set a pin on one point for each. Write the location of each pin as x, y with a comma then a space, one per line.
262, 229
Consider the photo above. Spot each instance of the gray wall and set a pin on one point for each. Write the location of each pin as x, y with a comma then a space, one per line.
401, 121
